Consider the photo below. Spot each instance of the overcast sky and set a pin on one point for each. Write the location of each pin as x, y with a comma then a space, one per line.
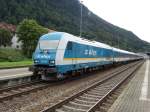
133, 15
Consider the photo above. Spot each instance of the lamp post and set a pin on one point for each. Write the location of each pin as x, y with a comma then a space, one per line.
118, 42
81, 5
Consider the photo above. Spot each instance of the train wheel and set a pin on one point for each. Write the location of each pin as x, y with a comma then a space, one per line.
60, 76
35, 73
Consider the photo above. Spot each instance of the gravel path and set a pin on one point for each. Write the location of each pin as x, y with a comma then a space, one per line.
37, 101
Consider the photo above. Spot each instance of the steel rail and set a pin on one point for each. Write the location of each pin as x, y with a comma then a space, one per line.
103, 99
21, 90
18, 86
65, 101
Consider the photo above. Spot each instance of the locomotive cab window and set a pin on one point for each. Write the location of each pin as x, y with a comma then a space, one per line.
48, 44
69, 46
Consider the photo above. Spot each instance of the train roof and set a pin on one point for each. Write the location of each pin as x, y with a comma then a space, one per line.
70, 37
123, 51
87, 42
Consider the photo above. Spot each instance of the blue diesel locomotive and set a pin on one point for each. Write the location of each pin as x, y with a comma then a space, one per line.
59, 54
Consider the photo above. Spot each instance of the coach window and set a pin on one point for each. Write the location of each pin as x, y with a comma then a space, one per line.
69, 46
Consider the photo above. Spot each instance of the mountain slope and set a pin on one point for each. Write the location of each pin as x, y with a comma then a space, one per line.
64, 15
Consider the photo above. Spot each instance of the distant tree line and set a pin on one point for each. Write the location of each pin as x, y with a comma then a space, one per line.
64, 15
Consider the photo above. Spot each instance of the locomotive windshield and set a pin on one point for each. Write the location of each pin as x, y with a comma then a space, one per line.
48, 44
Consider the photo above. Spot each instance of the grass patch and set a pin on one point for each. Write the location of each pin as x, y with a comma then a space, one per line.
11, 58
11, 55
15, 64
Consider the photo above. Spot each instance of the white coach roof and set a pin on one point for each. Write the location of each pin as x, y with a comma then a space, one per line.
86, 41
93, 43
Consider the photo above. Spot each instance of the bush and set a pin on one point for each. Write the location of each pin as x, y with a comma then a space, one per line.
29, 32
5, 37
11, 55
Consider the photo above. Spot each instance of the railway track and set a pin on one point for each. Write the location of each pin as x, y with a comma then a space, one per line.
15, 91
90, 99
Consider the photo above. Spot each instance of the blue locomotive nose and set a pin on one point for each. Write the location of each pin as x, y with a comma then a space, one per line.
45, 52
44, 57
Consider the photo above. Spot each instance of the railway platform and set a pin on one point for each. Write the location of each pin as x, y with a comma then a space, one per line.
8, 74
136, 96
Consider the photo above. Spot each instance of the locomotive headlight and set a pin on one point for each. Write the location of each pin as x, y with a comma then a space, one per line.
52, 62
36, 61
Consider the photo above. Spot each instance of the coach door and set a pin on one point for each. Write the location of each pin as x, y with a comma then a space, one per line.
71, 53
75, 53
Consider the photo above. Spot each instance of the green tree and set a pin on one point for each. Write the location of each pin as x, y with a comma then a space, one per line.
28, 32
65, 16
5, 37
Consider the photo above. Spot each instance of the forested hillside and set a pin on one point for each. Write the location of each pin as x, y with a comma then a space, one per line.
64, 15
